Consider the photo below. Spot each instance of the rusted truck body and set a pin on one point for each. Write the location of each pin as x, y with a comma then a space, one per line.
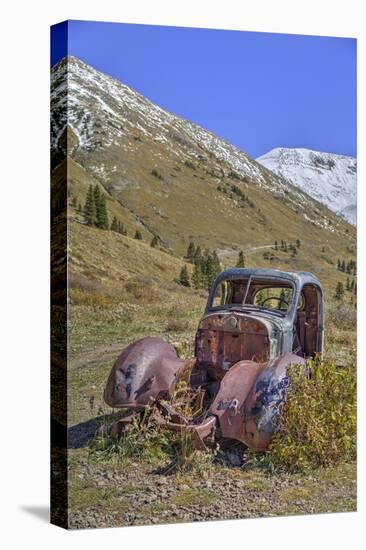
257, 323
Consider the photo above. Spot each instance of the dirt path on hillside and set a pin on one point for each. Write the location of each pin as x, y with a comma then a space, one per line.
227, 253
95, 355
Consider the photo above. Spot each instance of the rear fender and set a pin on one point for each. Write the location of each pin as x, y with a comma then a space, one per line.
249, 397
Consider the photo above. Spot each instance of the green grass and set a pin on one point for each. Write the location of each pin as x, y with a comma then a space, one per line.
143, 444
194, 497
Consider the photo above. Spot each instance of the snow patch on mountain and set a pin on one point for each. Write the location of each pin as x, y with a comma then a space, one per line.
110, 118
329, 178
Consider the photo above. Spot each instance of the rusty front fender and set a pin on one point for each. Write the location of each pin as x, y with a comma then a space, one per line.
249, 397
145, 370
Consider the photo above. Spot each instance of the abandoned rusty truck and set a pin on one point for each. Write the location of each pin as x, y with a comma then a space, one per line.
256, 324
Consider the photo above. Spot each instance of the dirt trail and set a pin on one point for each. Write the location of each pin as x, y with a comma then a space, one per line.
227, 253
95, 355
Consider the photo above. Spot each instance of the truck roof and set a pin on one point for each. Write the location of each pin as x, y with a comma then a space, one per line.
299, 278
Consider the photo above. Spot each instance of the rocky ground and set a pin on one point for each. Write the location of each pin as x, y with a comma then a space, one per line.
107, 496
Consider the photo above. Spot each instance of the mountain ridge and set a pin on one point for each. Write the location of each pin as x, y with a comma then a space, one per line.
327, 177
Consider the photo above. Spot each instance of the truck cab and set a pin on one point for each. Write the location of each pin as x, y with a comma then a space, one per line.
259, 315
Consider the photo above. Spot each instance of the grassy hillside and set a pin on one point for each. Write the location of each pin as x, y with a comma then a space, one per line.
210, 213
180, 199
111, 258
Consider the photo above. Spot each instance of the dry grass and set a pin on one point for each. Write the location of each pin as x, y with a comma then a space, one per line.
177, 325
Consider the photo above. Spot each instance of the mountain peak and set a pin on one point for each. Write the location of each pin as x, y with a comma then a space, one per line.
327, 177
69, 60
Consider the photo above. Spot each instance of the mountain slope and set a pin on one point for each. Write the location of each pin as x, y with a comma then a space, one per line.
328, 178
176, 180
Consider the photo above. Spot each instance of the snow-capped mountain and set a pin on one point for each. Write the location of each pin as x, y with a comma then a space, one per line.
151, 160
330, 179
103, 112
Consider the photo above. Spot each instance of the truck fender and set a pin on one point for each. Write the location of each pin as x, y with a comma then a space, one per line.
249, 398
145, 370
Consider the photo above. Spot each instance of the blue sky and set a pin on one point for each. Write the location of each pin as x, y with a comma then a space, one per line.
257, 90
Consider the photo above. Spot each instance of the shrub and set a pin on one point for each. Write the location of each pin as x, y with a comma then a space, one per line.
157, 174
154, 241
82, 282
142, 442
190, 164
318, 420
143, 290
184, 276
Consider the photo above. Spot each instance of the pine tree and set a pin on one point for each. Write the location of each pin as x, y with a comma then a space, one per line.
154, 243
347, 284
191, 251
184, 277
209, 271
241, 260
96, 196
114, 224
197, 275
102, 216
298, 243
352, 286
121, 229
204, 268
339, 292
343, 266
197, 255
285, 246
138, 235
276, 245
339, 264
89, 208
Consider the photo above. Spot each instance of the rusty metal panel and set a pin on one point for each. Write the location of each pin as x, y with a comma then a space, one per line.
223, 340
228, 405
145, 369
